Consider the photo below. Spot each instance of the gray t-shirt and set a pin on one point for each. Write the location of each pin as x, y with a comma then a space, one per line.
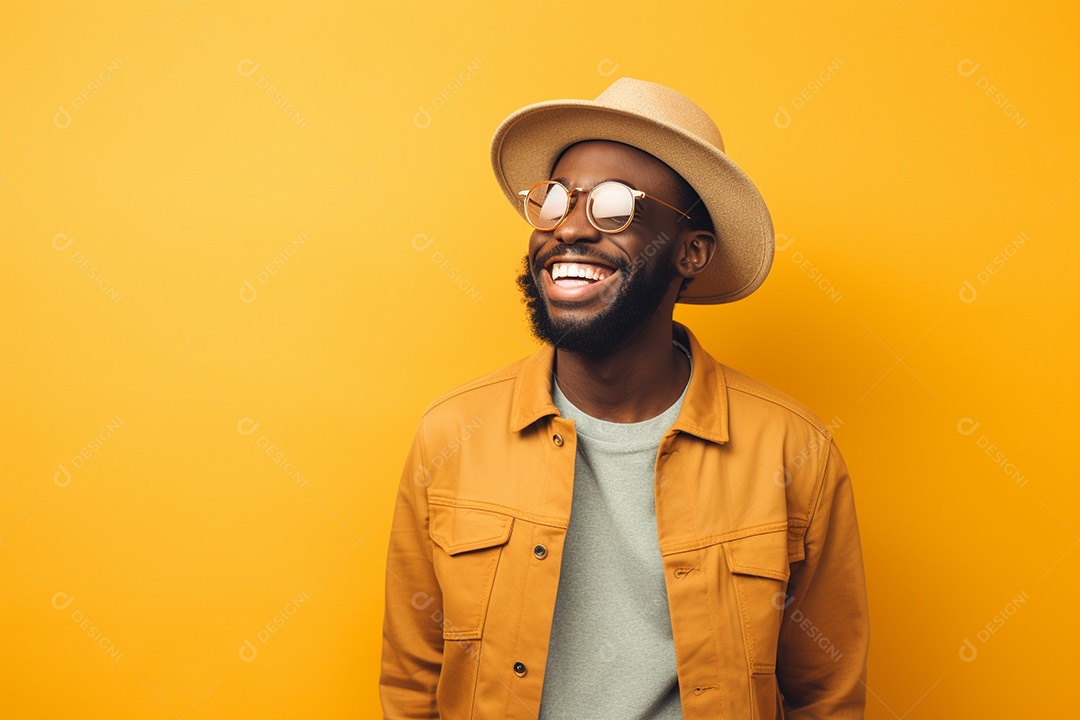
612, 654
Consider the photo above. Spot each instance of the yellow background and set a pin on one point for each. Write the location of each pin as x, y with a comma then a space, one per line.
138, 231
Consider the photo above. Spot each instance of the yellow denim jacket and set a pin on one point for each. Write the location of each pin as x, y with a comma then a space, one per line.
757, 530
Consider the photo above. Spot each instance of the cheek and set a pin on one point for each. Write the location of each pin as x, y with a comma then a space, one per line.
645, 248
536, 243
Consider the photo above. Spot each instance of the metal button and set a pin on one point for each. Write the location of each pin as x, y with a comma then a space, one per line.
520, 669
540, 552
557, 439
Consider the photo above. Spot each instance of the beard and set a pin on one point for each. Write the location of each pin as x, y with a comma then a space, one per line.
636, 301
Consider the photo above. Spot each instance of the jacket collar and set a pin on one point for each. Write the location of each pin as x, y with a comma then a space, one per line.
704, 412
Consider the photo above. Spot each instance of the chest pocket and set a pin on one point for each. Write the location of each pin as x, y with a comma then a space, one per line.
762, 555
469, 542
760, 571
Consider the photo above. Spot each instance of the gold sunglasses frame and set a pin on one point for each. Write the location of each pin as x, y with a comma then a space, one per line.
570, 192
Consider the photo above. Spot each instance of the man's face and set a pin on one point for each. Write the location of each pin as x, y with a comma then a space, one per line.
596, 317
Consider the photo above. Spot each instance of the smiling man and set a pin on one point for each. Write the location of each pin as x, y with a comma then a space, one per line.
619, 525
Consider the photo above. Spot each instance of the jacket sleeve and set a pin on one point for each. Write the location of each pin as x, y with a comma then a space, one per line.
825, 632
412, 625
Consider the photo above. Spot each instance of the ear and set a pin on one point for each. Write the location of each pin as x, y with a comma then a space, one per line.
695, 250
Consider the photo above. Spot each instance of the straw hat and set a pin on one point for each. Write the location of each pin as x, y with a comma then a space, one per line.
669, 126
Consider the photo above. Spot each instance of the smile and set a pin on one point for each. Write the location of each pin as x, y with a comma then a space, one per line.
576, 281
568, 274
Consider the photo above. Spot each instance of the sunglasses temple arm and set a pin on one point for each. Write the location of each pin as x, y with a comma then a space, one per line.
670, 206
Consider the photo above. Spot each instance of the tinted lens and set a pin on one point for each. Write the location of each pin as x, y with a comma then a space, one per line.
545, 205
611, 205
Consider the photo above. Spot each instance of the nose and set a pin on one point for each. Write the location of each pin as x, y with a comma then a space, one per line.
576, 226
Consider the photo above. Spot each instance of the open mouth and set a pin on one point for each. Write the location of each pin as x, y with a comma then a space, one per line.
577, 274
569, 281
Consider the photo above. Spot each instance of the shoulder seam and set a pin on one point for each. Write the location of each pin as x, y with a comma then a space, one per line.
500, 376
812, 511
812, 420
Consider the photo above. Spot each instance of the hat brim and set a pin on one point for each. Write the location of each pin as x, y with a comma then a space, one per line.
527, 143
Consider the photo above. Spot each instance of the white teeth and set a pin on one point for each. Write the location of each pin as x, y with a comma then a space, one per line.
579, 270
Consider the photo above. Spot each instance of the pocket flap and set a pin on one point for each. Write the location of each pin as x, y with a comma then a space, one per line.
459, 529
764, 555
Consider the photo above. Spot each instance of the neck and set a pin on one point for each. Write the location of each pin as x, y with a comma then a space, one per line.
637, 382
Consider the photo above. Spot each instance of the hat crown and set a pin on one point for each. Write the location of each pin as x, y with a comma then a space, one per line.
663, 105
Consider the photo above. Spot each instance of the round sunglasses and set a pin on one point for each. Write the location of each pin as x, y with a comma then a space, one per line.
609, 206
